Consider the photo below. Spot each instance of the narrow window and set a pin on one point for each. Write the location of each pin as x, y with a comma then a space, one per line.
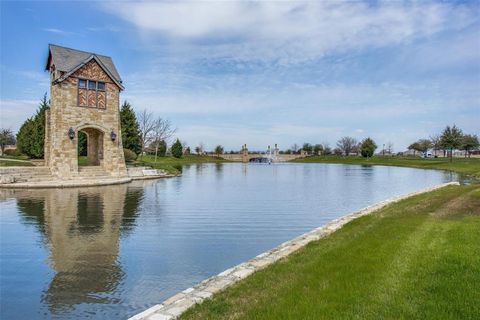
92, 85
101, 86
82, 93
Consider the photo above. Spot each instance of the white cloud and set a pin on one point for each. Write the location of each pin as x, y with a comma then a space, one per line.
40, 78
313, 113
58, 31
290, 31
13, 112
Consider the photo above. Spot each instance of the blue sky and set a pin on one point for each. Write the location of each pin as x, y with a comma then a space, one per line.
263, 72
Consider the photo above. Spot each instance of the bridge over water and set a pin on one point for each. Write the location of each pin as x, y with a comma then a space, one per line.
246, 158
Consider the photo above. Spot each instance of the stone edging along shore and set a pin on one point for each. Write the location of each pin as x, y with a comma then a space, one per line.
179, 303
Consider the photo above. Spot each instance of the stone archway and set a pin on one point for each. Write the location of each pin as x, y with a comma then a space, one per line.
95, 138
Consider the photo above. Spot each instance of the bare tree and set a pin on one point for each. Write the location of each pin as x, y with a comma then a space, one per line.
162, 130
326, 148
346, 145
185, 145
389, 147
6, 138
436, 143
295, 148
200, 148
146, 123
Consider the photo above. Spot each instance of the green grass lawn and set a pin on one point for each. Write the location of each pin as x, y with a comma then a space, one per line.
173, 165
21, 157
416, 259
13, 163
469, 166
170, 164
82, 161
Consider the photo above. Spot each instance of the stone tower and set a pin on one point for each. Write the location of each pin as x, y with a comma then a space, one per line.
84, 95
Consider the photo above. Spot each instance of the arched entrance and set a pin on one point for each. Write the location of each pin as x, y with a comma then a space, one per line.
90, 146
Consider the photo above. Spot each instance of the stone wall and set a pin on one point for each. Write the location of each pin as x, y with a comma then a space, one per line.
61, 152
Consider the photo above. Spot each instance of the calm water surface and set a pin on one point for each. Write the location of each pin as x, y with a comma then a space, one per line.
110, 252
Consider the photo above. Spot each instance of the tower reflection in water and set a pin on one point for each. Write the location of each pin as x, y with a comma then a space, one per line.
82, 229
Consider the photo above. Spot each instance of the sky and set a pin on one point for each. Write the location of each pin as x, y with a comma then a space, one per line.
260, 73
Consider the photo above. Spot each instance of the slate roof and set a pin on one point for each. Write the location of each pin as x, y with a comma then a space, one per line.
69, 60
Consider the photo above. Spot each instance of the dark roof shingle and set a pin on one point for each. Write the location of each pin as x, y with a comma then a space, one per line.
67, 59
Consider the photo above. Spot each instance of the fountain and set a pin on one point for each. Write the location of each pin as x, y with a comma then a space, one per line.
271, 156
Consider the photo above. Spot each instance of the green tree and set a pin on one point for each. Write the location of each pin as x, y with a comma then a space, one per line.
469, 143
317, 149
451, 139
177, 149
162, 148
368, 147
130, 129
421, 145
307, 147
31, 136
415, 147
424, 145
6, 138
82, 143
326, 149
218, 150
435, 140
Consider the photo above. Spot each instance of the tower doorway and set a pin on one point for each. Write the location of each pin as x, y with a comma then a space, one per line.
90, 147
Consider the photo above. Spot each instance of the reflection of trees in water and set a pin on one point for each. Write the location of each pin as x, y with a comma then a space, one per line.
218, 169
33, 210
133, 200
82, 228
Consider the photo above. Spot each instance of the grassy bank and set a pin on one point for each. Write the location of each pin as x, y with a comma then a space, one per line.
173, 165
469, 166
14, 161
417, 259
169, 164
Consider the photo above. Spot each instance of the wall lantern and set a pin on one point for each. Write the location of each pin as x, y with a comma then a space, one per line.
71, 133
113, 136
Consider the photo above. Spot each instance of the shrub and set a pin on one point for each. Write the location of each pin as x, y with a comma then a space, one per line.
218, 150
129, 155
177, 149
367, 148
12, 152
162, 148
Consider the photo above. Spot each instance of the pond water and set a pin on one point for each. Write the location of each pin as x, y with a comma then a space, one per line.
111, 252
